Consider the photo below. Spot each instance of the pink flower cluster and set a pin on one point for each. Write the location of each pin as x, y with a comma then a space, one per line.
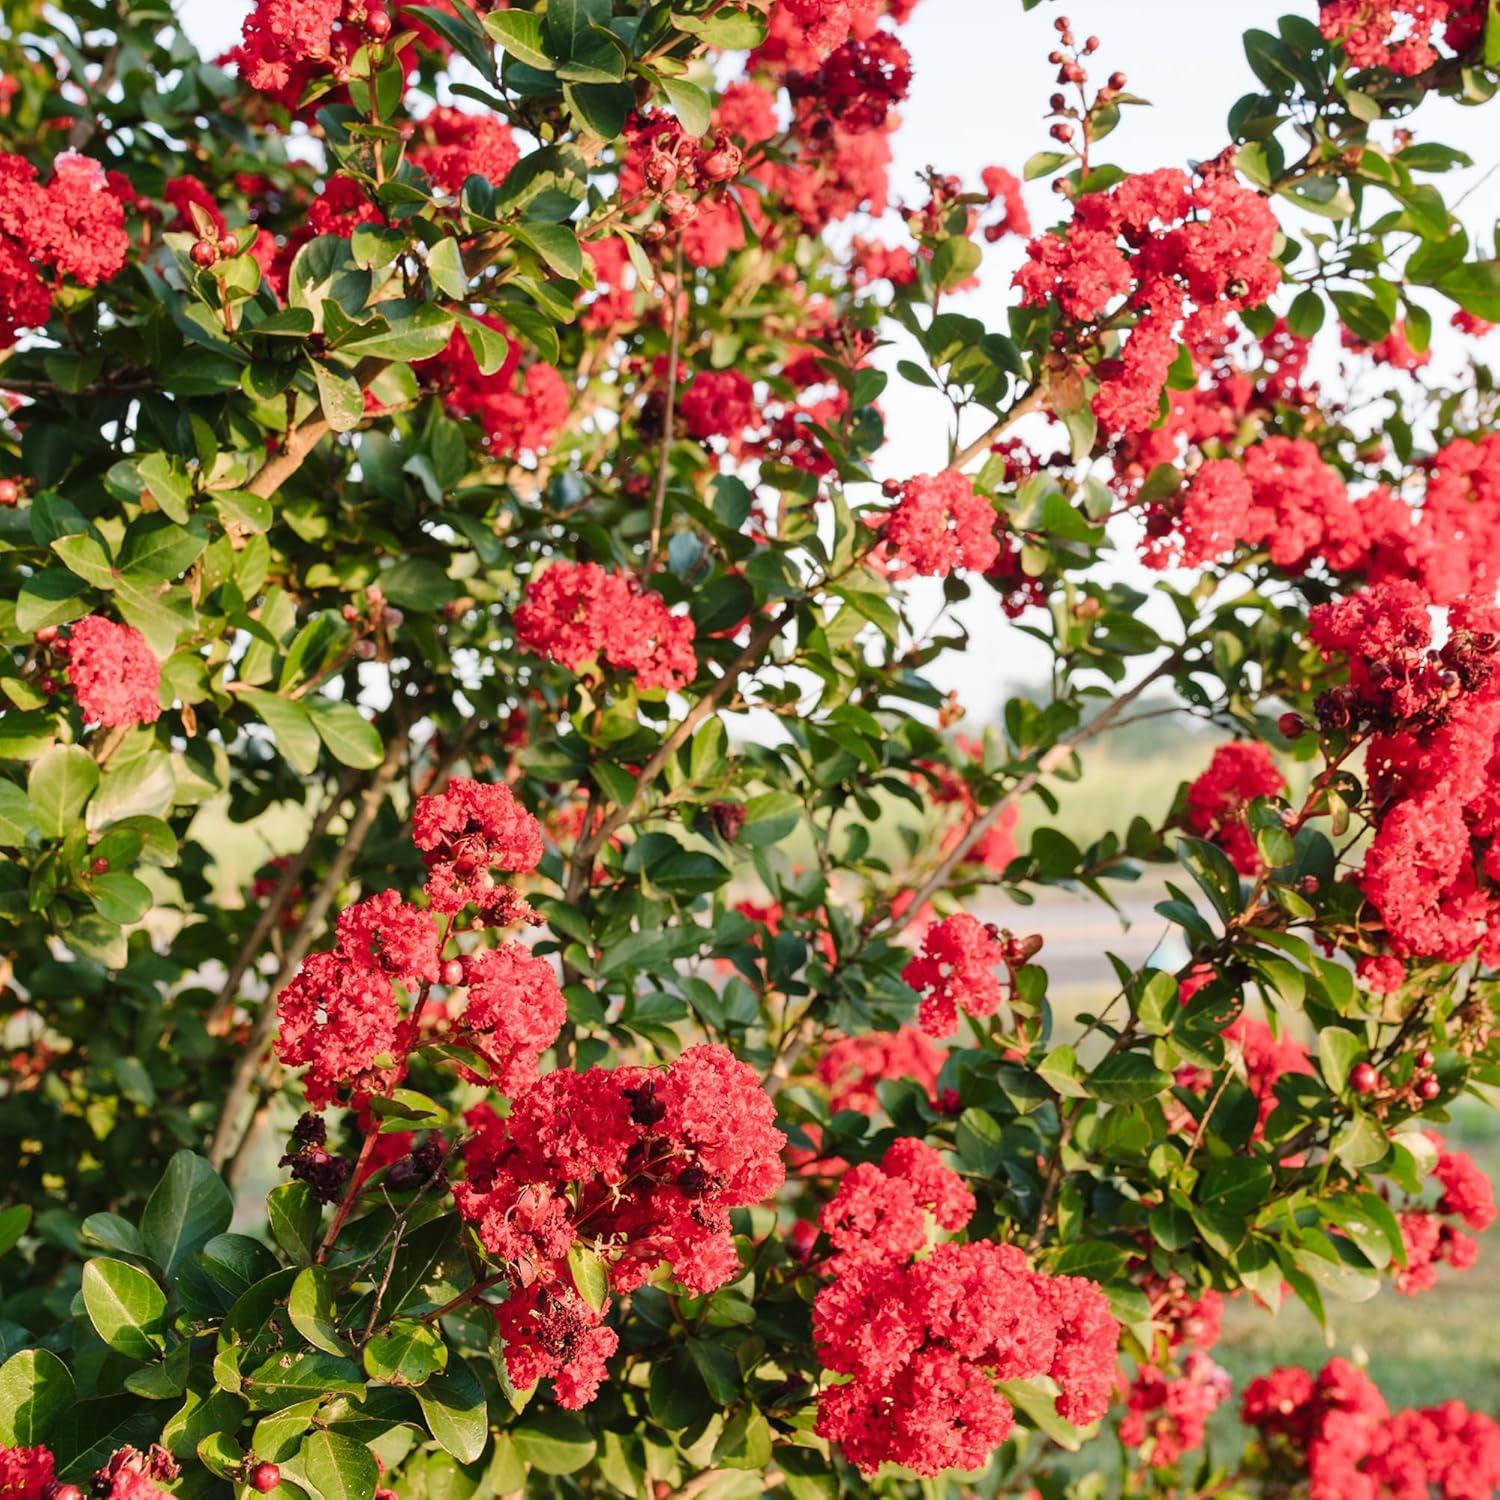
1174, 255
72, 228
1431, 870
112, 672
452, 145
939, 524
340, 1015
1167, 1415
578, 612
1218, 799
954, 971
923, 1340
640, 1165
1336, 1434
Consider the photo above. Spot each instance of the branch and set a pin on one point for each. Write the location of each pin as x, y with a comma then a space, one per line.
1030, 402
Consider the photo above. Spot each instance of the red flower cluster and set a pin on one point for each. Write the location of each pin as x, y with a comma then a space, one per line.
1429, 1240
1452, 545
719, 403
1004, 188
956, 971
1168, 1415
857, 84
1336, 1433
854, 1065
924, 1340
665, 163
287, 45
642, 1165
940, 524
467, 831
1400, 35
452, 145
1282, 496
1217, 801
1177, 256
578, 612
1431, 869
112, 672
340, 1014
128, 1474
25, 1473
521, 409
74, 227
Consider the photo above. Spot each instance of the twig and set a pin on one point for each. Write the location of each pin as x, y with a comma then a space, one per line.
1030, 402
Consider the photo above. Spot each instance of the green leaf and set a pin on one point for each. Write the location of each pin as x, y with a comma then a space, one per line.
186, 1209
445, 265
1475, 286
339, 395
295, 1218
126, 1307
60, 784
556, 244
338, 1467
85, 557
35, 1388
453, 1404
313, 1310
589, 1276
16, 821
55, 597
119, 897
603, 107
1128, 1078
407, 1353
553, 1442
156, 551
351, 739
13, 1222
296, 735
692, 106
412, 331
769, 818
519, 34
954, 261
1338, 1051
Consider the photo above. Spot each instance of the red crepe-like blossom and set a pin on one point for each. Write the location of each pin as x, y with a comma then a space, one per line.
387, 934
1005, 188
467, 831
857, 85
1168, 1414
112, 672
453, 145
521, 408
577, 612
1177, 255
73, 228
1434, 770
1218, 800
940, 524
25, 1473
853, 1066
1400, 35
336, 1018
924, 1340
956, 971
719, 403
513, 1013
1336, 1434
341, 208
287, 45
643, 1164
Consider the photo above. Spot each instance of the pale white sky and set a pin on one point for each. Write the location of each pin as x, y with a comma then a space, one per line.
978, 98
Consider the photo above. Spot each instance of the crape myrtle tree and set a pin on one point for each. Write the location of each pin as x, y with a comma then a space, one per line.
442, 456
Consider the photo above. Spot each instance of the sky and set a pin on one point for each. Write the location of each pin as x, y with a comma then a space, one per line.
978, 98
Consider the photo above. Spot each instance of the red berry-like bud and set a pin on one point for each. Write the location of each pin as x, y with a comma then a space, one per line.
452, 971
1364, 1079
1054, 57
350, 613
1062, 132
1117, 81
48, 685
265, 1478
204, 252
10, 492
1092, 44
229, 246
1425, 1058
1057, 102
1061, 24
99, 866
1293, 726
379, 26
46, 635
890, 488
1428, 1088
